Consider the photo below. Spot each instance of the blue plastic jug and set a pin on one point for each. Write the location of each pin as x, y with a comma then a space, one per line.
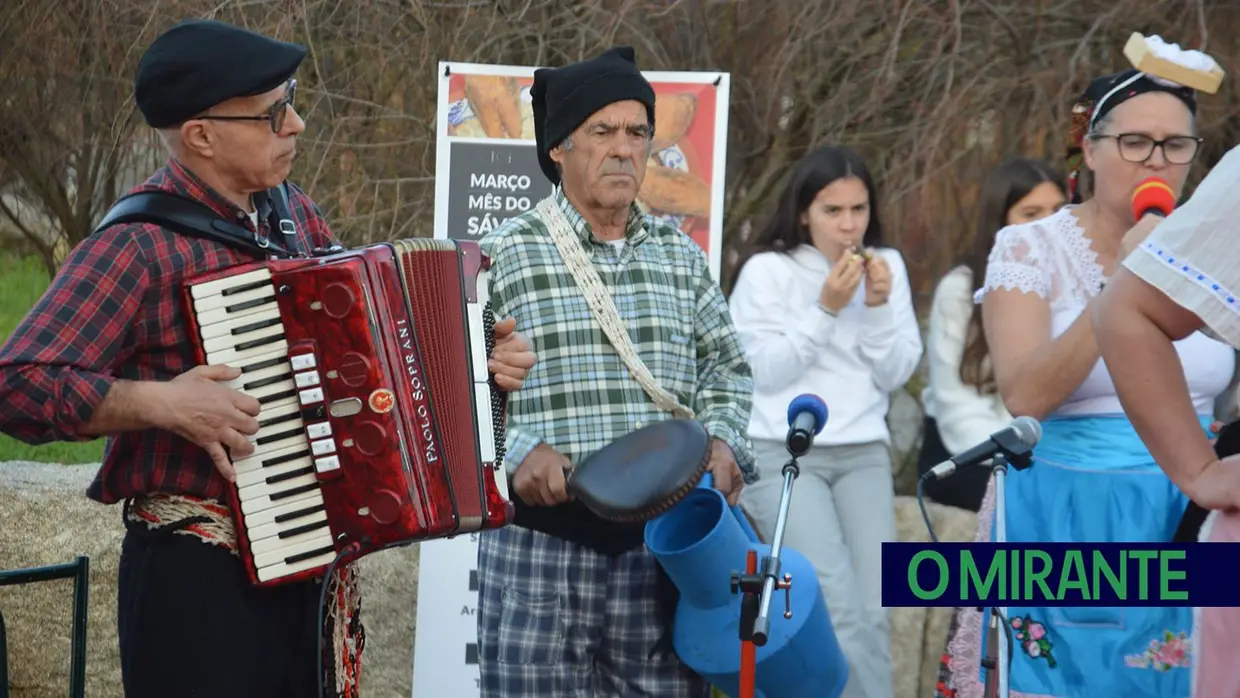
700, 542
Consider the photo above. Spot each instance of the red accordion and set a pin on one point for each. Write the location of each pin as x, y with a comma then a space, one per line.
380, 424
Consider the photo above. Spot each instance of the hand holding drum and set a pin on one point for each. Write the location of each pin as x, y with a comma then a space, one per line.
635, 478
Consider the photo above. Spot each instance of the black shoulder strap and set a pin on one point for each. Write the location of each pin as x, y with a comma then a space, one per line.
189, 217
282, 214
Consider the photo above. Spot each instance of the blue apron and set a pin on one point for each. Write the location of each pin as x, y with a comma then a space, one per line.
1094, 480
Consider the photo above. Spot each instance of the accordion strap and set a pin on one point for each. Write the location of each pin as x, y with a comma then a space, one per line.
191, 218
603, 308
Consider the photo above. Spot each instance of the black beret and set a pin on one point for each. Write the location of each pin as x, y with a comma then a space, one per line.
199, 63
563, 98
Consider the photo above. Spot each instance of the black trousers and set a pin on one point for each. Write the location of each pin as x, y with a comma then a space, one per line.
191, 624
964, 488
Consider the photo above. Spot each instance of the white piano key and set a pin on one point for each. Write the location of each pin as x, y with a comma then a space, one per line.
230, 341
275, 356
233, 356
292, 505
262, 374
305, 379
273, 528
215, 309
253, 476
218, 286
280, 570
225, 327
284, 388
302, 362
263, 496
280, 554
259, 548
268, 452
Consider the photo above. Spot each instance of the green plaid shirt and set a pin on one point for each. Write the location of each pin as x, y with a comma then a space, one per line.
580, 396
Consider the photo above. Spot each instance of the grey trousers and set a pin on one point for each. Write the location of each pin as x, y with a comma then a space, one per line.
841, 511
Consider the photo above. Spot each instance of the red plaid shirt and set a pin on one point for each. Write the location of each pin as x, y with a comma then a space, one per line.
114, 311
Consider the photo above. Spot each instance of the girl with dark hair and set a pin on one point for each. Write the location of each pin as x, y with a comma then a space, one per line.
821, 307
962, 402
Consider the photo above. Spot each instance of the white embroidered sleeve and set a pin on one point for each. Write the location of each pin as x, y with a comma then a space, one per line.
1194, 255
1016, 264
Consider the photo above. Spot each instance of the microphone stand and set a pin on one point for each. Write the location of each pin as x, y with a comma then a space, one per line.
998, 644
757, 589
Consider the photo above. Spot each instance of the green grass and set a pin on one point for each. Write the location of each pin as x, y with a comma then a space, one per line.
22, 281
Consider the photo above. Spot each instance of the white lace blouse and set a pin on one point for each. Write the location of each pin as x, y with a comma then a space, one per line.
1052, 258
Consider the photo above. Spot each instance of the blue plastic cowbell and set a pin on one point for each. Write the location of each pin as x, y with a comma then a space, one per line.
700, 542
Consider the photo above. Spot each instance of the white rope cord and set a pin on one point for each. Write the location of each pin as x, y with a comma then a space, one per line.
604, 310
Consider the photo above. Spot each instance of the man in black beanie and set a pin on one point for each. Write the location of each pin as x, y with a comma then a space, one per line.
569, 604
106, 352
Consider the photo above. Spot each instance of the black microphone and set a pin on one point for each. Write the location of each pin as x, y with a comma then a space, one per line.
1018, 438
807, 415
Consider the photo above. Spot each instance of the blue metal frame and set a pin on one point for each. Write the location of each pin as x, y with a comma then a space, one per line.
79, 572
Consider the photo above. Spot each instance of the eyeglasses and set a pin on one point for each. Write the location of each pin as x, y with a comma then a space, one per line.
275, 115
1138, 147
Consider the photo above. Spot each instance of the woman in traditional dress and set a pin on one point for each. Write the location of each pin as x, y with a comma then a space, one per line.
1092, 478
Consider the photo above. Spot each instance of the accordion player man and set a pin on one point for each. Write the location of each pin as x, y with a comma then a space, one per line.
106, 352
569, 604
1185, 276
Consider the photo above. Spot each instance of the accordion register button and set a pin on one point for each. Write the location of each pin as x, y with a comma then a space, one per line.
301, 362
319, 431
327, 464
338, 300
370, 438
385, 507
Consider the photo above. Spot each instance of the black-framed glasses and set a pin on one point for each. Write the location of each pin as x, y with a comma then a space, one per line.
1138, 147
275, 115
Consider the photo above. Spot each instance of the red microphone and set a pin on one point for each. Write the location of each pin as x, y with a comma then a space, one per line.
1152, 196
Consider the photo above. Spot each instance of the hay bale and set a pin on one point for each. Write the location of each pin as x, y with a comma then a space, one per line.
47, 520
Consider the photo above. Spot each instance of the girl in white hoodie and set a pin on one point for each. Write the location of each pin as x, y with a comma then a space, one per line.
823, 308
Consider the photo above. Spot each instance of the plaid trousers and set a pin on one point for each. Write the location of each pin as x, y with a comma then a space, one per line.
559, 620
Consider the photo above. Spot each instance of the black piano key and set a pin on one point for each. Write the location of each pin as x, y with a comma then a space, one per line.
302, 529
255, 343
294, 492
300, 513
242, 329
294, 559
276, 397
267, 381
274, 479
256, 303
265, 364
247, 287
278, 460
272, 421
276, 437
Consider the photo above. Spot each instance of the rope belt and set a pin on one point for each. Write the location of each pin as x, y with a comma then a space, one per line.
211, 522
